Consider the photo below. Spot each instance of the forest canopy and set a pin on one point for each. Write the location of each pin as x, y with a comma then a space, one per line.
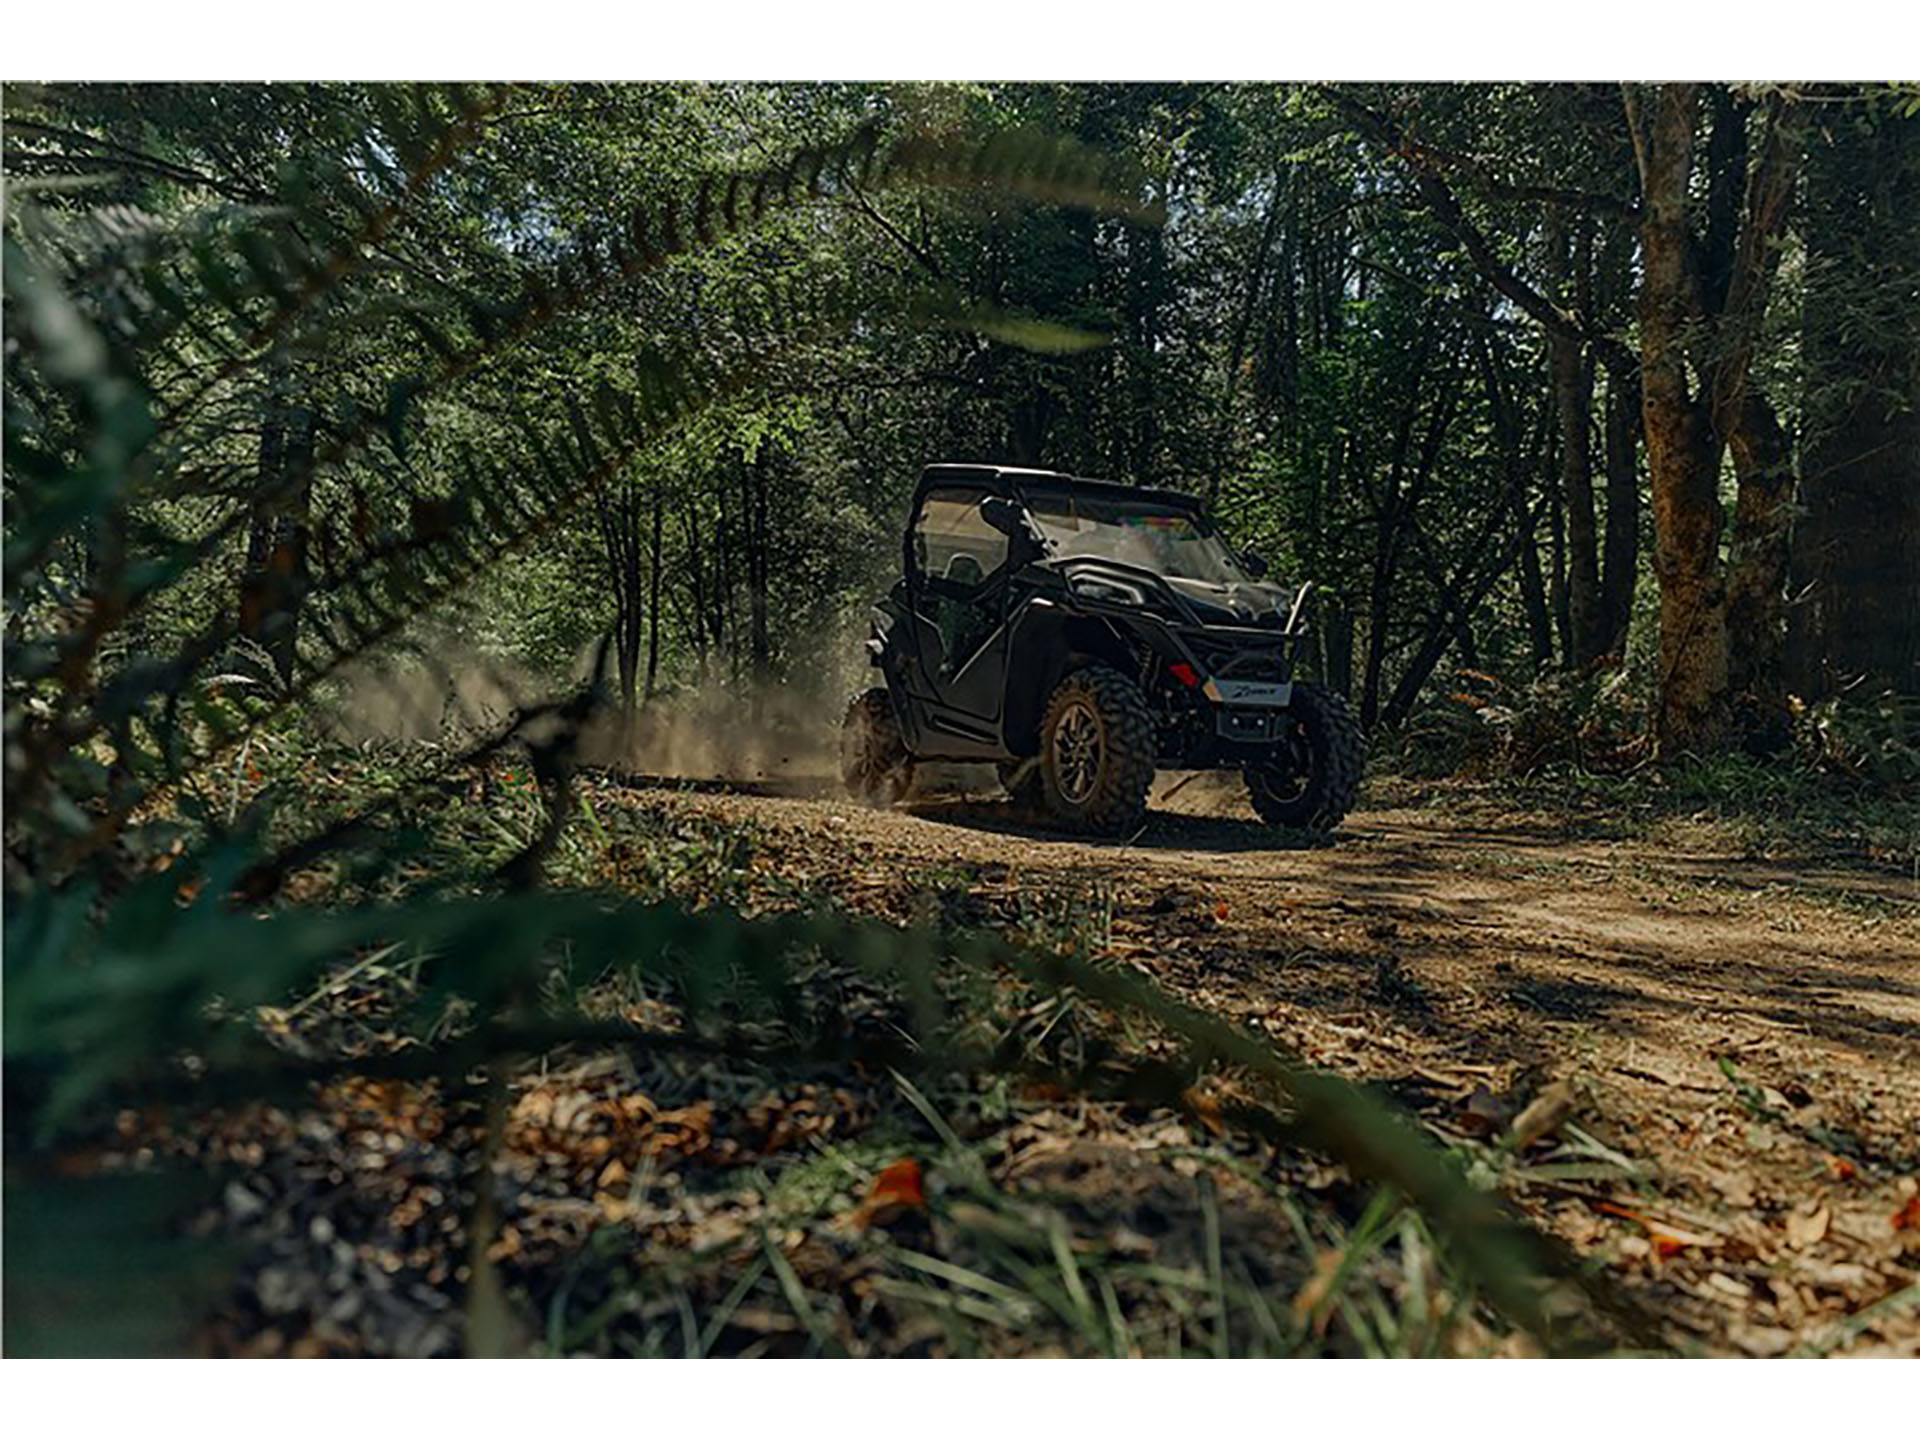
1527, 379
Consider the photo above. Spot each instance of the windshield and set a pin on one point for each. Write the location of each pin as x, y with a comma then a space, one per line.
1167, 541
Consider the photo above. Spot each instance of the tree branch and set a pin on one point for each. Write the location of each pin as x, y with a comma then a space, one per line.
1445, 205
906, 242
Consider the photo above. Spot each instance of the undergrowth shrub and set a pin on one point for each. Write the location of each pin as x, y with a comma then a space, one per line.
1480, 726
1873, 737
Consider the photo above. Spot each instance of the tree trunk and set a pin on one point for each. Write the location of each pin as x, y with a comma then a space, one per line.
1570, 370
1856, 551
618, 511
1757, 575
1558, 606
1335, 634
295, 535
1692, 708
1622, 553
754, 519
1400, 493
1533, 600
1573, 401
653, 589
274, 577
696, 590
1516, 459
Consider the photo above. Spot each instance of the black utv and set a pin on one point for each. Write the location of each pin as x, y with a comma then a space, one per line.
1080, 635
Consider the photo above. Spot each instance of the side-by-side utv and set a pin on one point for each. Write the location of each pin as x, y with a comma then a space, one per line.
1080, 635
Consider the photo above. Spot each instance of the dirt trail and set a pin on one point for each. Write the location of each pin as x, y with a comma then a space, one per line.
1744, 1035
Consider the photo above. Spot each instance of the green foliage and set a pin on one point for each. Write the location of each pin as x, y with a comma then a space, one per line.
1485, 728
1871, 737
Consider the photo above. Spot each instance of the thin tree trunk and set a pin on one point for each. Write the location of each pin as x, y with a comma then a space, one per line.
1570, 369
274, 576
1558, 605
1398, 495
653, 589
1622, 553
290, 560
1335, 630
1224, 448
754, 518
1517, 462
1757, 576
1573, 395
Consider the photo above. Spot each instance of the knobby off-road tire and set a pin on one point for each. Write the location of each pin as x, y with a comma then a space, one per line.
873, 755
1319, 788
1096, 752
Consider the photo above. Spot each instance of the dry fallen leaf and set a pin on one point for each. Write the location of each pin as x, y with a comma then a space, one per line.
1484, 1115
899, 1184
1907, 1217
1204, 1107
895, 1190
1735, 1187
1313, 1295
1806, 1227
1667, 1239
1547, 1113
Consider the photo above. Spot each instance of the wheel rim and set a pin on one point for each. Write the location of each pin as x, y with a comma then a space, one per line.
1078, 750
1289, 784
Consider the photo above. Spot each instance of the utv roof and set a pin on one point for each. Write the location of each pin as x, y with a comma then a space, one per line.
1015, 480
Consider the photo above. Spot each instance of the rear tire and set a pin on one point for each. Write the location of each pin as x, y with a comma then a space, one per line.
1316, 784
1097, 752
874, 761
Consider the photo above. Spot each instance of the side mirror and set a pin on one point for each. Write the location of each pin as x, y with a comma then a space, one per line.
1254, 563
1003, 514
1010, 518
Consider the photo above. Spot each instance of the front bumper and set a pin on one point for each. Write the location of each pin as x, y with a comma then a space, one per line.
1248, 712
1249, 694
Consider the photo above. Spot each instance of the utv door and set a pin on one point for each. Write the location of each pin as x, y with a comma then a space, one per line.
957, 590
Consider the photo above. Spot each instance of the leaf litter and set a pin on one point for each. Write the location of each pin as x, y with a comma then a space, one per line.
671, 1206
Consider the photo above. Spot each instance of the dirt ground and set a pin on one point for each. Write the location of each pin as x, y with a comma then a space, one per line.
1742, 1033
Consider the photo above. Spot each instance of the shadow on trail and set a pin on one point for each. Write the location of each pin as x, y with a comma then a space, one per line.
775, 787
1162, 829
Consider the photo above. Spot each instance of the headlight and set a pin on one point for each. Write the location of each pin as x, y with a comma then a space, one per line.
1112, 592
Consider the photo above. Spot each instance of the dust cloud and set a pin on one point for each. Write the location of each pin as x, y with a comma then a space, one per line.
445, 693
775, 732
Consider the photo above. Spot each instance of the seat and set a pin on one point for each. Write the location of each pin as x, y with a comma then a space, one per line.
964, 569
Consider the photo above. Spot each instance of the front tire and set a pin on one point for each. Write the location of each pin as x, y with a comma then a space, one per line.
1097, 752
874, 761
1316, 780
